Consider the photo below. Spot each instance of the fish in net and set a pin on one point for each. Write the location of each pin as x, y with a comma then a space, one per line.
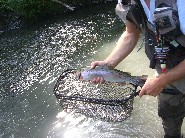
110, 101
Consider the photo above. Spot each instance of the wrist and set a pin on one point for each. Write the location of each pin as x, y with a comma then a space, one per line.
163, 79
110, 64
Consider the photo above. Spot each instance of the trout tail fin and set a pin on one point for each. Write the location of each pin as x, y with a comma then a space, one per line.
140, 80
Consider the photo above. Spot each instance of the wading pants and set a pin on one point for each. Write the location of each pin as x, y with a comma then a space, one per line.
171, 108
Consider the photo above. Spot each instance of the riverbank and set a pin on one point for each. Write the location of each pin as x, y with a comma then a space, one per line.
14, 15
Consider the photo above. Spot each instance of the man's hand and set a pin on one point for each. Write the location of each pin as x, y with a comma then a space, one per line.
152, 87
97, 63
98, 79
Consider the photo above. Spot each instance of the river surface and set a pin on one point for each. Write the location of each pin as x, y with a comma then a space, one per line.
32, 59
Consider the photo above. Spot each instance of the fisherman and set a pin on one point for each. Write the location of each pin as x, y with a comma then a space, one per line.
164, 24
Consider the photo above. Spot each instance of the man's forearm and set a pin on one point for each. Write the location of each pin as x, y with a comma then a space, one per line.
176, 73
124, 47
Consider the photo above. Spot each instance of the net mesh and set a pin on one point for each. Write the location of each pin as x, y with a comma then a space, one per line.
108, 102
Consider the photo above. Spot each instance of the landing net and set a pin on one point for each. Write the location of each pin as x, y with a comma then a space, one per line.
108, 102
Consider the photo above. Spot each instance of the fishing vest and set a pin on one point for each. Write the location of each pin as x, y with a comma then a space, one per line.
174, 39
172, 36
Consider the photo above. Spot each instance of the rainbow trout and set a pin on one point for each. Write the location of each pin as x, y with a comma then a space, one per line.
111, 75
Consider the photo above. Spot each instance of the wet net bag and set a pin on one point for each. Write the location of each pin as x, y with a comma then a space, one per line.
108, 102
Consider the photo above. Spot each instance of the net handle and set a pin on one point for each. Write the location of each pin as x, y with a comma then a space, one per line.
167, 91
171, 91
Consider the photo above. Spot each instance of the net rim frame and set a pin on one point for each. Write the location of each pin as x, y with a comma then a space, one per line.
92, 100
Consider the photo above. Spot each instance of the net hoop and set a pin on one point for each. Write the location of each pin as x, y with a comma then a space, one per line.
108, 102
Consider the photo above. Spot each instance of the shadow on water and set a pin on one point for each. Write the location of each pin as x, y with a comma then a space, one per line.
31, 60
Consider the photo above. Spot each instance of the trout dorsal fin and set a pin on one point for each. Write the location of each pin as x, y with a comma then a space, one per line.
127, 73
105, 67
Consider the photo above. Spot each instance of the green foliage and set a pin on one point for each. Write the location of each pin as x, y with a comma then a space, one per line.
83, 2
30, 9
34, 9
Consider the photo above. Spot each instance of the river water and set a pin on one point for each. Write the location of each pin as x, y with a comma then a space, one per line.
33, 58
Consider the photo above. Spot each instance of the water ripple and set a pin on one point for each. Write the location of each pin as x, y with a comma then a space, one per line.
32, 59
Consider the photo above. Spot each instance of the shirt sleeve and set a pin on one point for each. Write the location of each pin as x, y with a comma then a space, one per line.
181, 12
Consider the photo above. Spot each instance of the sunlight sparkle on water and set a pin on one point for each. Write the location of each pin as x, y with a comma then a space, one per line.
61, 114
71, 133
59, 124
